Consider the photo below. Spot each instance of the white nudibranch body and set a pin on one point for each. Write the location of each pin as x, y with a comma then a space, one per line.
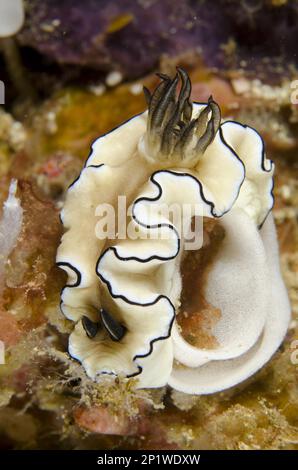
123, 294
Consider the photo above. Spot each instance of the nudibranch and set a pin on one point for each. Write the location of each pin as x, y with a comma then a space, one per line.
124, 293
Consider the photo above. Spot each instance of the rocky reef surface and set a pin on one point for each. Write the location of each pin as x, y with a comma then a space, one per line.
104, 43
46, 400
132, 36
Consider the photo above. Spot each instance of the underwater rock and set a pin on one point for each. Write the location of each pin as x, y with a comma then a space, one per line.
132, 36
52, 176
9, 330
125, 35
100, 420
31, 279
13, 138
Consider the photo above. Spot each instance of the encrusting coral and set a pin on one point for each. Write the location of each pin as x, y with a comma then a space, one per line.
124, 294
